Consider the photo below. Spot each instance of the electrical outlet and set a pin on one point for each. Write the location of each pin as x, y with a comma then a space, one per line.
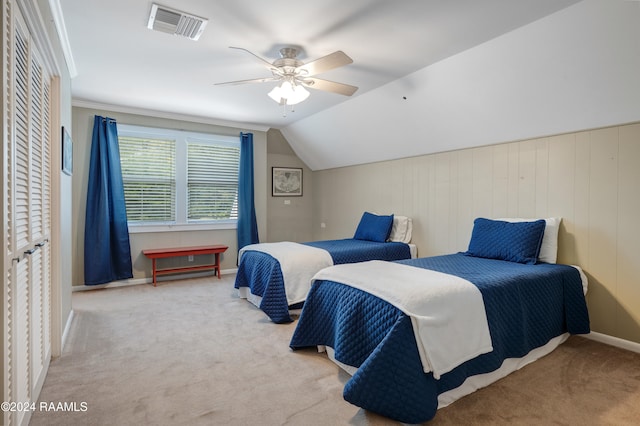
190, 258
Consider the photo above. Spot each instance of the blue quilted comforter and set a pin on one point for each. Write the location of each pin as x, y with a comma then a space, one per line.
261, 272
526, 305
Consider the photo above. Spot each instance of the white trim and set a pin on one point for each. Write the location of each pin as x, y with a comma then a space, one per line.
613, 341
141, 229
178, 142
168, 115
149, 280
67, 328
61, 28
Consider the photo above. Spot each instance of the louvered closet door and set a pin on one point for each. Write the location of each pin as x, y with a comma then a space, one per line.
39, 179
28, 187
20, 208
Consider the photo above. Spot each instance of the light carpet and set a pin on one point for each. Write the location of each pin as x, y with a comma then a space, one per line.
190, 352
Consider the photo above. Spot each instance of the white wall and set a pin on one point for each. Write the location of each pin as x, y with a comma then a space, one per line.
576, 69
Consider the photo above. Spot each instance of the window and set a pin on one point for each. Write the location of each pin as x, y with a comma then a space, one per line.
149, 175
175, 180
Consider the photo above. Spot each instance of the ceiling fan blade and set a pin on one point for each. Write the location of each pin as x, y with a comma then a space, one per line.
326, 63
253, 80
266, 63
330, 86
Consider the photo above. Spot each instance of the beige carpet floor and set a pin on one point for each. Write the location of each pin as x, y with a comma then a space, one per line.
191, 352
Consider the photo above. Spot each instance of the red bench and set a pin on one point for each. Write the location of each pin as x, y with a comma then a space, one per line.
160, 253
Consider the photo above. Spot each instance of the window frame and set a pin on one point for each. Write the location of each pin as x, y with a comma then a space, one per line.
181, 138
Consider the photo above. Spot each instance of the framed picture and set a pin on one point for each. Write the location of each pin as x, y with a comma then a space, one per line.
287, 182
67, 152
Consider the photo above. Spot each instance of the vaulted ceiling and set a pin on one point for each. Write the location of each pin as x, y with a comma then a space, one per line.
432, 75
119, 61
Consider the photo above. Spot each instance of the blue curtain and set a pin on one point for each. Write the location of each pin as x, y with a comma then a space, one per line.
247, 226
107, 253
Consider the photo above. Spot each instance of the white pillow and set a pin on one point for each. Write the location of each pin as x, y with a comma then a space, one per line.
549, 247
401, 229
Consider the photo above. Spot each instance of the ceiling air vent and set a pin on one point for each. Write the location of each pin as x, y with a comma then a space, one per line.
176, 22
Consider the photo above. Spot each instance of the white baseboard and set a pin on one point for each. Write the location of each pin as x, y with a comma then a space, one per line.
149, 280
613, 341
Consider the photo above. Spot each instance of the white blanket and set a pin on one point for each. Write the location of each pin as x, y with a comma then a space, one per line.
447, 312
298, 262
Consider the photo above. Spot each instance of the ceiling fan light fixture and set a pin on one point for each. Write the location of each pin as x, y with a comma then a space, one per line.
289, 94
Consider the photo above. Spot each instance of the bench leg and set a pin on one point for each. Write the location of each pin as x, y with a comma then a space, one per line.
153, 263
217, 267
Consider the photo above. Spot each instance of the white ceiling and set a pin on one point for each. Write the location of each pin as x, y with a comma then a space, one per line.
121, 62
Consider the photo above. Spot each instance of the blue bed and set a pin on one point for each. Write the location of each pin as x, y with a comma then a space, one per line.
260, 278
527, 305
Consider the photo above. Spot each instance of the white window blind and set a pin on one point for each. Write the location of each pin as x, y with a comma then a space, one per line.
149, 177
212, 181
176, 178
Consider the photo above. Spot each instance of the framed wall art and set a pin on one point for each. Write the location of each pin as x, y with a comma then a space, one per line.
287, 182
67, 152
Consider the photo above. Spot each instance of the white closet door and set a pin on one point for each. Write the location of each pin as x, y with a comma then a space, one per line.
39, 176
27, 185
20, 207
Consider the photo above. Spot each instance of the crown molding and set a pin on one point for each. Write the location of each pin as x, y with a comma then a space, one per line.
61, 28
168, 115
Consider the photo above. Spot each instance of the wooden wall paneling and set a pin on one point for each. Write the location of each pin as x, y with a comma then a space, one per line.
429, 219
580, 255
383, 180
603, 202
359, 191
411, 191
542, 178
561, 190
527, 179
500, 181
513, 184
420, 235
454, 229
482, 182
466, 215
588, 178
628, 268
440, 207
398, 194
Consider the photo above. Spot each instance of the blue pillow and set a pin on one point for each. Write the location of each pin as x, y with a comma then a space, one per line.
374, 228
511, 241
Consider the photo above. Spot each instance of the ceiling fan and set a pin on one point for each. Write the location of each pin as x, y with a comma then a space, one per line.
295, 75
